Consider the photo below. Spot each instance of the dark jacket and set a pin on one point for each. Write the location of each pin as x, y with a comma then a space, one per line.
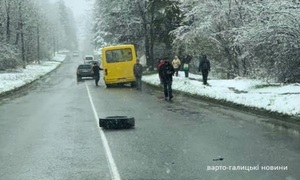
204, 64
96, 69
137, 70
187, 59
166, 72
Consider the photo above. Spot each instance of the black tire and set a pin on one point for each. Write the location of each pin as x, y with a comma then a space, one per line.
133, 84
116, 122
108, 85
79, 78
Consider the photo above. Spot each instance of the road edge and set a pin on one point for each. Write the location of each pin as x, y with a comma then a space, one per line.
285, 118
24, 86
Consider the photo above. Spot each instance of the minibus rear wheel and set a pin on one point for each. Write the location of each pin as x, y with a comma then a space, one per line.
133, 84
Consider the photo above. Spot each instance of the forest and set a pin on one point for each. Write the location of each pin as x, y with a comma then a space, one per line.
32, 30
243, 38
258, 39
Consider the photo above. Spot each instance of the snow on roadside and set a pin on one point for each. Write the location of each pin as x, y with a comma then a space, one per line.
252, 93
12, 80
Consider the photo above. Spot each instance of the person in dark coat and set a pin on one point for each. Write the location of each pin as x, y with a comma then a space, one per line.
204, 67
96, 70
186, 65
161, 62
166, 72
138, 72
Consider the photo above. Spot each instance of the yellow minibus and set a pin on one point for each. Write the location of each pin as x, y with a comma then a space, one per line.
117, 64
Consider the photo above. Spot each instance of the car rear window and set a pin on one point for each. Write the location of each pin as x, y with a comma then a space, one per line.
89, 58
85, 66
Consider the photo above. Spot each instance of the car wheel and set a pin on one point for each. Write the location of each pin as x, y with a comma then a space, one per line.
79, 78
115, 122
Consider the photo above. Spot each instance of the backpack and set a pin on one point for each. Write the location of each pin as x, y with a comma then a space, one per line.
185, 67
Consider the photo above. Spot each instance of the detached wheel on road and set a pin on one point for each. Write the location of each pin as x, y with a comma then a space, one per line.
115, 122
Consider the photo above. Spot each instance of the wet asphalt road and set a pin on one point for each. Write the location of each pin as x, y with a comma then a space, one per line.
50, 131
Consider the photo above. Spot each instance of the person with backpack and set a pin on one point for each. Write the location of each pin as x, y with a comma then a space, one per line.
204, 67
138, 72
166, 72
186, 61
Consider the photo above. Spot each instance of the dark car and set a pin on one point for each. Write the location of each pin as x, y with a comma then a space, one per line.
84, 70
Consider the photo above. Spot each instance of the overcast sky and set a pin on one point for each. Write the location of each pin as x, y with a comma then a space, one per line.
78, 7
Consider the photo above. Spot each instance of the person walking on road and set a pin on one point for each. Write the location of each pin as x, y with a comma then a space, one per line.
204, 67
96, 70
166, 72
176, 64
138, 72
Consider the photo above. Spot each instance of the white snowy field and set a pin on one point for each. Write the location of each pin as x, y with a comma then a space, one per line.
13, 79
253, 93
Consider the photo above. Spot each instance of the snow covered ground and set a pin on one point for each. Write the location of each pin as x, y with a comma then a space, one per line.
253, 93
14, 79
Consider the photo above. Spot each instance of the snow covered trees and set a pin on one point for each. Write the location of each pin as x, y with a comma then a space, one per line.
250, 38
273, 41
145, 23
114, 22
253, 38
68, 29
29, 30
